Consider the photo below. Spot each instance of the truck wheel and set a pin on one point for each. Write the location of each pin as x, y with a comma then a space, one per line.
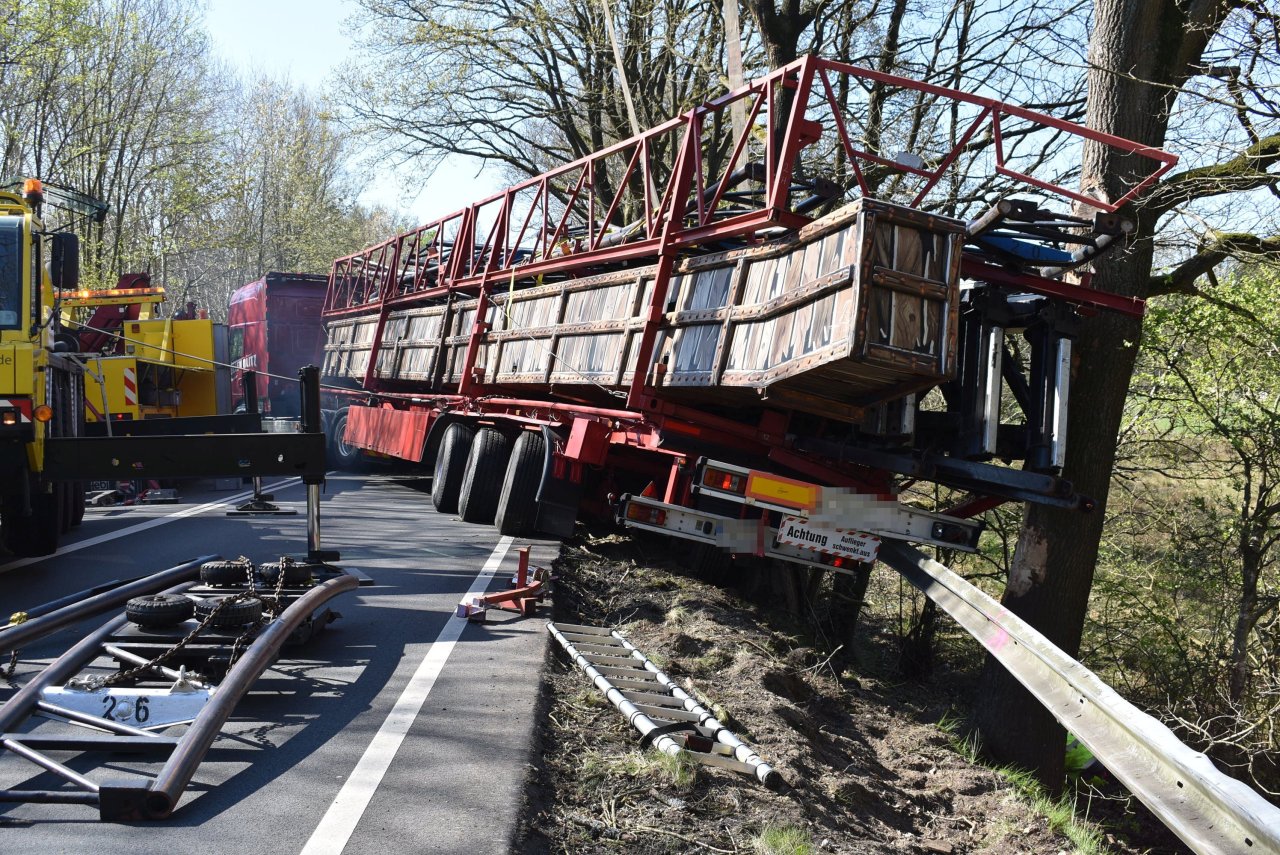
451, 467
482, 482
217, 574
295, 573
518, 504
342, 455
45, 523
232, 615
156, 610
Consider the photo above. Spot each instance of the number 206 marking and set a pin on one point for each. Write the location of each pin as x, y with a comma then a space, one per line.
121, 709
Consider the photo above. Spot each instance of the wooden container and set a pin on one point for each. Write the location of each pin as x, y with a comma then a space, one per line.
858, 307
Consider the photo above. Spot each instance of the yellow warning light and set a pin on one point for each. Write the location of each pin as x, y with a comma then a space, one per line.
33, 190
43, 413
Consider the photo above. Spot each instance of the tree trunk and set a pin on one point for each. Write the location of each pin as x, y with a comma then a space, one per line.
1140, 54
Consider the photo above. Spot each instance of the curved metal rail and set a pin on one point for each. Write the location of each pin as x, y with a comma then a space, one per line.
155, 798
1211, 812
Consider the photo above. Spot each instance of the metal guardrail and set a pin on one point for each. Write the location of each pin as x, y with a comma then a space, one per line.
1211, 812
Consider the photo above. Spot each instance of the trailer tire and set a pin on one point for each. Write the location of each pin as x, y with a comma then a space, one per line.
219, 574
231, 615
158, 610
482, 482
295, 573
342, 455
451, 467
518, 505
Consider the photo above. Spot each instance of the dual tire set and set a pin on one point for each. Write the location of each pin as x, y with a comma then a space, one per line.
485, 477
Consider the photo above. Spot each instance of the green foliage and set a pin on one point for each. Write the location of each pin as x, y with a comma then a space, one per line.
1183, 616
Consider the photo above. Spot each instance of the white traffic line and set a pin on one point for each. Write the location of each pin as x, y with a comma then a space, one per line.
143, 526
339, 822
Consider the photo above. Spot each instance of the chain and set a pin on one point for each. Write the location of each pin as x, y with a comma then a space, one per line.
92, 683
274, 600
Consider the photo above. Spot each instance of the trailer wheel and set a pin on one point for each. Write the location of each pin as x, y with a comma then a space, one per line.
156, 610
295, 573
518, 504
451, 467
231, 615
342, 455
482, 482
219, 574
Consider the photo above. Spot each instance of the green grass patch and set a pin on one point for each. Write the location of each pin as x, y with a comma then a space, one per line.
783, 840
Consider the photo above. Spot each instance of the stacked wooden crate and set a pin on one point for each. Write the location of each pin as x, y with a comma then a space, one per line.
856, 308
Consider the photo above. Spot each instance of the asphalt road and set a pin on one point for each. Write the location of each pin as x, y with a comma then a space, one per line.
398, 729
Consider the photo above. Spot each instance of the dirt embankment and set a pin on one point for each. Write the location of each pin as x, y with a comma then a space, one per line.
868, 767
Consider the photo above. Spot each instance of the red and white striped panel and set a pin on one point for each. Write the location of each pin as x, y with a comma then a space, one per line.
23, 406
130, 387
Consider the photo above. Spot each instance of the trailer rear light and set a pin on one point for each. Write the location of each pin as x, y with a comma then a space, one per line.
9, 417
43, 413
644, 514
720, 479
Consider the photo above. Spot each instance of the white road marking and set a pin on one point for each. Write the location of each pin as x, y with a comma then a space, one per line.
339, 822
151, 523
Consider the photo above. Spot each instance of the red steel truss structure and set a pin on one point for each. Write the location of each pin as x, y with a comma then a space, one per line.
667, 191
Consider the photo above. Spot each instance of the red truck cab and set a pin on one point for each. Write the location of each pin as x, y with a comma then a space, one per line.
275, 329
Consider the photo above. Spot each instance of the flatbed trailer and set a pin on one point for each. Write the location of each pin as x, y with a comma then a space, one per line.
587, 339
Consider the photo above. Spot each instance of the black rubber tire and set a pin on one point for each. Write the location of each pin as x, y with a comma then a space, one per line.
294, 574
451, 467
233, 615
45, 524
219, 574
517, 513
157, 610
482, 482
341, 455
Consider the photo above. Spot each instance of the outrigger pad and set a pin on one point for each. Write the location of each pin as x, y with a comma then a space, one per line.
125, 801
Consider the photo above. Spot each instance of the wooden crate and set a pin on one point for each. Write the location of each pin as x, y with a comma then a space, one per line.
859, 307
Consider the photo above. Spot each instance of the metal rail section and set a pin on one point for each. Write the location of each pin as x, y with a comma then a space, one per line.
1209, 811
210, 705
666, 715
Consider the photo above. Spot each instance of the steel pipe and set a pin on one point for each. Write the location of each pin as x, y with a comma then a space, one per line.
162, 795
16, 635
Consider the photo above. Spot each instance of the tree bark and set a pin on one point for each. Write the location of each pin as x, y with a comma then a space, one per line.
1141, 52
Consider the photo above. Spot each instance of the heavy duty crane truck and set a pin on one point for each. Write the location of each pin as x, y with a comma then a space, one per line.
41, 385
745, 339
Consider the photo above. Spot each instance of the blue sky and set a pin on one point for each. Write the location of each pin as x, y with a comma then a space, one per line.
304, 41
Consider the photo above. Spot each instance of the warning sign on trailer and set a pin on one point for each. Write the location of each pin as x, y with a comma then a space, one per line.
829, 540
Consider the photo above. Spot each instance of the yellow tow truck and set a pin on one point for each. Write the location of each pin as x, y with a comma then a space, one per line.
139, 365
41, 382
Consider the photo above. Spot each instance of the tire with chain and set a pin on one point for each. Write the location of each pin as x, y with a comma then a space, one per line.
218, 574
451, 466
159, 610
295, 573
482, 481
232, 613
518, 504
